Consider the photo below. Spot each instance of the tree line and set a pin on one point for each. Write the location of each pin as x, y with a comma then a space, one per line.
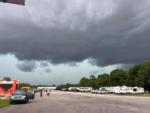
138, 75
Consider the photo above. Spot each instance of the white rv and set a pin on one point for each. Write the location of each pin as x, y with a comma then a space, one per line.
80, 89
122, 89
72, 89
136, 90
104, 90
45, 89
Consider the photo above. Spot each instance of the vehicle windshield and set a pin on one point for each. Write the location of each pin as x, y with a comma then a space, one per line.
19, 93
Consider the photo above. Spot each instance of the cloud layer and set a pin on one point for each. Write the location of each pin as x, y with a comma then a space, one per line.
108, 31
27, 66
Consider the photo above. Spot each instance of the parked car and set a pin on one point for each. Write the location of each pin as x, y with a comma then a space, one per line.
31, 95
19, 96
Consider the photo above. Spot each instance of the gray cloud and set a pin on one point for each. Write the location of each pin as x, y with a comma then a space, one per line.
48, 70
44, 64
27, 66
109, 31
125, 67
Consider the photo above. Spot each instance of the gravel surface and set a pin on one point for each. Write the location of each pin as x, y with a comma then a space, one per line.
65, 102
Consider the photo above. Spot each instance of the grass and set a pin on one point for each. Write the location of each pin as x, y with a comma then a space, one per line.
4, 103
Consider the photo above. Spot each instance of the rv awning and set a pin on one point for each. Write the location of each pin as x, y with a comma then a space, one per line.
19, 2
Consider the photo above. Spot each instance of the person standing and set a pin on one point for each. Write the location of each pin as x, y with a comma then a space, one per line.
41, 93
48, 92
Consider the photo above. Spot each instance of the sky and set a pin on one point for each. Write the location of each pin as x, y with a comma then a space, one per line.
59, 41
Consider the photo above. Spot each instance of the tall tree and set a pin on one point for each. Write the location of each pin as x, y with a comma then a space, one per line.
133, 75
92, 81
84, 82
118, 77
102, 80
144, 75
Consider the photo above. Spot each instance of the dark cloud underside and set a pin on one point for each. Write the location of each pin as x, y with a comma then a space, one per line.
109, 31
27, 66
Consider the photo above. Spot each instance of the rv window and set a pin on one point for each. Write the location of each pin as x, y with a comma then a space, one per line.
135, 89
103, 89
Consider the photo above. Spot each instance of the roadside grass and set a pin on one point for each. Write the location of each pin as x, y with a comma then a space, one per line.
4, 103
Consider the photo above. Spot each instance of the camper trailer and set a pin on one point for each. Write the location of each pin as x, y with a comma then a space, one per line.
136, 90
73, 89
122, 89
45, 89
104, 90
80, 89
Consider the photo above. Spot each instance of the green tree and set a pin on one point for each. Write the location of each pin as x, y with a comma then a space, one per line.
85, 82
144, 75
92, 81
118, 77
7, 78
24, 85
102, 80
133, 75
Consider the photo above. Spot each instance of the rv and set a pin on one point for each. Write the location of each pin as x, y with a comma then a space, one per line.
80, 89
104, 90
45, 89
136, 90
122, 89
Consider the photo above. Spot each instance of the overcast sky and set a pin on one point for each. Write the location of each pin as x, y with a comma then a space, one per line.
58, 41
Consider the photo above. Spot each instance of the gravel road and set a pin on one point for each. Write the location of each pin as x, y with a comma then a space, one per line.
64, 102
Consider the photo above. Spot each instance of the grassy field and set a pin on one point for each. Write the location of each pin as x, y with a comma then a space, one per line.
4, 103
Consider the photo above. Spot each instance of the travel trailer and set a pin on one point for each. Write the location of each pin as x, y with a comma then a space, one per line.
80, 89
74, 89
136, 90
122, 89
102, 90
45, 89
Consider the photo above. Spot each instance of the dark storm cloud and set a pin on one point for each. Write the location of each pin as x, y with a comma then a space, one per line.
109, 31
27, 66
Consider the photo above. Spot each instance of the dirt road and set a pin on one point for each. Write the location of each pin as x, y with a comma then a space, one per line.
62, 102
